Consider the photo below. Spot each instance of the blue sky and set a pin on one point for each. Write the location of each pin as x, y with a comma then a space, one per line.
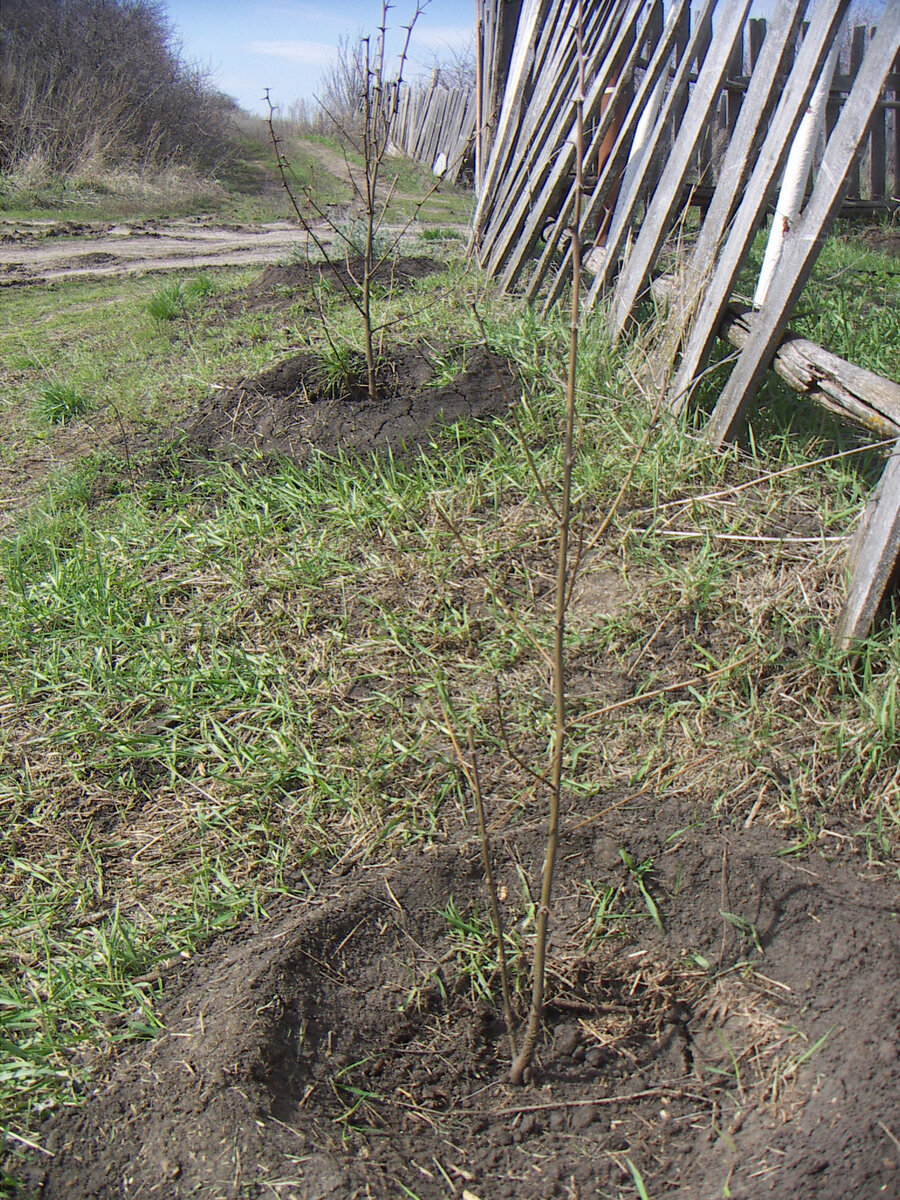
250, 45
284, 44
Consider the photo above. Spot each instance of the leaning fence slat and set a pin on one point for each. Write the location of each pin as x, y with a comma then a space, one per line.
541, 125
629, 199
874, 558
791, 106
667, 197
506, 82
804, 241
852, 393
735, 70
878, 151
512, 103
523, 227
857, 51
540, 129
612, 114
615, 163
772, 64
757, 37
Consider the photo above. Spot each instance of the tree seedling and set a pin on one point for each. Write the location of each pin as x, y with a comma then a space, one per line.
368, 132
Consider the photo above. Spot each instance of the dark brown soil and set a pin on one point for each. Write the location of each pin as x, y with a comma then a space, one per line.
294, 406
337, 1049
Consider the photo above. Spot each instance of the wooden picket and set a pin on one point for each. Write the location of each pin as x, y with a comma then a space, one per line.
716, 276
698, 103
805, 240
435, 126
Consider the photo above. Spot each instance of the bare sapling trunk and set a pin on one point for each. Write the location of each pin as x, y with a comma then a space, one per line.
564, 571
560, 508
372, 108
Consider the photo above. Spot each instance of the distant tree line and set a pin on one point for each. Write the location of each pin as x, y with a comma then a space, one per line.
339, 101
100, 82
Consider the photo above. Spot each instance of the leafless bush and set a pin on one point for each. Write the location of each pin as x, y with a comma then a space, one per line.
304, 117
454, 68
368, 132
90, 82
345, 85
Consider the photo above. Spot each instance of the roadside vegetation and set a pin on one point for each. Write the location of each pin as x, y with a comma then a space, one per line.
93, 87
220, 675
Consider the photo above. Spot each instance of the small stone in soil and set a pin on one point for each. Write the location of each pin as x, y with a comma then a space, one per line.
887, 1052
583, 1117
606, 853
567, 1039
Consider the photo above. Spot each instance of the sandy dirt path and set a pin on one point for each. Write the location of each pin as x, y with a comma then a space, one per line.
40, 252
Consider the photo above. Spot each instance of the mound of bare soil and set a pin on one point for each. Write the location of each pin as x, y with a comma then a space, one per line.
281, 285
339, 1049
295, 406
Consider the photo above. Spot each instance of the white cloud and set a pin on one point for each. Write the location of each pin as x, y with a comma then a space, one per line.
310, 54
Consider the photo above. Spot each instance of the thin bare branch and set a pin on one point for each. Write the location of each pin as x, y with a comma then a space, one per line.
522, 1062
537, 776
470, 770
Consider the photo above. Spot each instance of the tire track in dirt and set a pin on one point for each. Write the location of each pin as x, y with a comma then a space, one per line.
35, 256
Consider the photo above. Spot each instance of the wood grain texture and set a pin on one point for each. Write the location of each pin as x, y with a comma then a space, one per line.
804, 241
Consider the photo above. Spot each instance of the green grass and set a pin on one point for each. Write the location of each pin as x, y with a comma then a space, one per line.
441, 235
102, 341
851, 305
854, 306
215, 674
58, 403
167, 303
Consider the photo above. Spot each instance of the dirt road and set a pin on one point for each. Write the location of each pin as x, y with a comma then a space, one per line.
41, 251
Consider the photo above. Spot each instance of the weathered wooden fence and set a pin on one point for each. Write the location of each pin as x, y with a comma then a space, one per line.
435, 126
678, 97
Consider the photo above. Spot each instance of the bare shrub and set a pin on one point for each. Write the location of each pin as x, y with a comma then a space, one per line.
345, 85
93, 82
454, 68
368, 133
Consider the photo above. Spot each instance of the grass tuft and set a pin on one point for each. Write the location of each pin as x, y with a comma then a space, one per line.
59, 403
168, 303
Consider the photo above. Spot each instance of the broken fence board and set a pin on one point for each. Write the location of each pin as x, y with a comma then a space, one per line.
873, 558
853, 393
